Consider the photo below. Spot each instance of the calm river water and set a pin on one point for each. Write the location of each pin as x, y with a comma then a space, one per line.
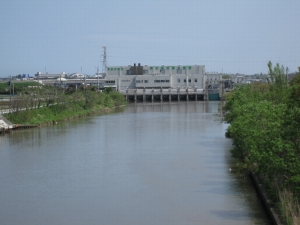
151, 164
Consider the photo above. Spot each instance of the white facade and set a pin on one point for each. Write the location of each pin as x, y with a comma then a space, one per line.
148, 77
40, 75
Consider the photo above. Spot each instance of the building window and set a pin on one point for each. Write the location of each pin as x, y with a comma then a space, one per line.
162, 81
162, 71
146, 81
178, 80
145, 71
156, 81
195, 80
167, 81
190, 80
184, 80
139, 81
128, 72
179, 71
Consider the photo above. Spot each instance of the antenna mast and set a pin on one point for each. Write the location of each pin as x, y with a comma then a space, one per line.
104, 62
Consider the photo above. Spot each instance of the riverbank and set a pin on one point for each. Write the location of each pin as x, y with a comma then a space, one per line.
64, 107
268, 203
264, 126
48, 115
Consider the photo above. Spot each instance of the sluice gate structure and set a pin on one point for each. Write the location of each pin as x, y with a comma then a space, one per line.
164, 83
163, 95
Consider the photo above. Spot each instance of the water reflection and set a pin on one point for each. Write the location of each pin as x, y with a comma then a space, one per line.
151, 164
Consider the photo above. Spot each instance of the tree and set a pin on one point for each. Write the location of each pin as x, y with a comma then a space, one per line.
108, 90
277, 76
265, 127
225, 76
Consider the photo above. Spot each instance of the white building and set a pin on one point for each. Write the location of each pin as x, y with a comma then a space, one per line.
76, 75
154, 77
40, 75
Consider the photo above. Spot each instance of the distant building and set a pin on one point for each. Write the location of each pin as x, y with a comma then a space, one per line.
25, 77
163, 77
76, 75
40, 75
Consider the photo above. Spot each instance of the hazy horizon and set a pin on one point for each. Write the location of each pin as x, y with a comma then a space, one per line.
67, 36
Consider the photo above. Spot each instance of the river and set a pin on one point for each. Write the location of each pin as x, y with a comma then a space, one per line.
149, 164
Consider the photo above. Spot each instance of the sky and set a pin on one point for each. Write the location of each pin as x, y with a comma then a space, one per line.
232, 36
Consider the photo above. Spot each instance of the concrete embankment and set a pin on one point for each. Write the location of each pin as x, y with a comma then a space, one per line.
6, 125
268, 204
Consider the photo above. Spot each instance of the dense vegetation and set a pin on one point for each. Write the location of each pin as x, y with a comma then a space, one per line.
49, 104
15, 86
264, 123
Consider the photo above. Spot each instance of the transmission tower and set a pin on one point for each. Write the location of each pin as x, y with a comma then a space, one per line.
104, 62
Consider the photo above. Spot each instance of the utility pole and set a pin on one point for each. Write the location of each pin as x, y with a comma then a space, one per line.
98, 74
81, 73
10, 94
98, 78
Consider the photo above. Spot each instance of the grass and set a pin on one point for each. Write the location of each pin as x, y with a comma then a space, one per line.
289, 207
50, 114
4, 87
70, 105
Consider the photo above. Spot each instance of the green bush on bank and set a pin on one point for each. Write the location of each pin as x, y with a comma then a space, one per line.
50, 104
265, 126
